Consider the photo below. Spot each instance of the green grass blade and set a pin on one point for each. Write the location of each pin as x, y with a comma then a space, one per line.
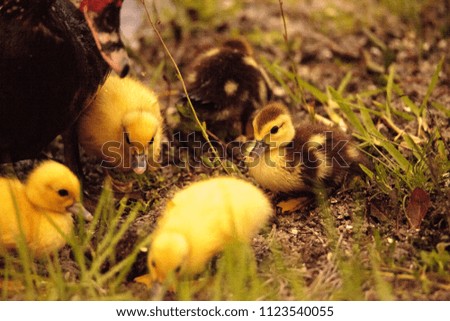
344, 82
349, 113
432, 86
389, 86
396, 155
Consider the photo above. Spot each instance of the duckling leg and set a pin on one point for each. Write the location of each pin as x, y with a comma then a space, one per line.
72, 152
118, 186
12, 286
294, 204
246, 123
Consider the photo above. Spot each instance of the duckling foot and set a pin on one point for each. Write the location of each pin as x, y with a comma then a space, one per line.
144, 279
241, 139
155, 288
12, 286
120, 186
293, 204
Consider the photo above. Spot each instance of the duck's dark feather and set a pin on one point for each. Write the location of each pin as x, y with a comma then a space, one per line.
49, 68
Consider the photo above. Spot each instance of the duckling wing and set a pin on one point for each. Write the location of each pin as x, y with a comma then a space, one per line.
326, 154
14, 222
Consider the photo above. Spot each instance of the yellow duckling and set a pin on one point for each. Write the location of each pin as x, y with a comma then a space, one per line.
226, 85
123, 126
200, 220
289, 159
40, 210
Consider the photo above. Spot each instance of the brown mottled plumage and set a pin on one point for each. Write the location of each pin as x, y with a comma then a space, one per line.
288, 159
226, 86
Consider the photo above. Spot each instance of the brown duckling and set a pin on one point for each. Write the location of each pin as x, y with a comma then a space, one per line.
292, 159
226, 85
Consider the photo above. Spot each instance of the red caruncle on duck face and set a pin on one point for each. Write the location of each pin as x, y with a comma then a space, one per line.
103, 18
98, 5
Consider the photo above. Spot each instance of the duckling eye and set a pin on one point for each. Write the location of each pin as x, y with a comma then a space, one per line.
63, 192
151, 141
154, 263
178, 269
274, 129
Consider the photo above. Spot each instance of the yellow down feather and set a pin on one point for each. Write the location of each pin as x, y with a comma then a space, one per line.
34, 211
123, 122
201, 220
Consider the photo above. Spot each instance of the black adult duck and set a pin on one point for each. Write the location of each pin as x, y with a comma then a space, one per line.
54, 55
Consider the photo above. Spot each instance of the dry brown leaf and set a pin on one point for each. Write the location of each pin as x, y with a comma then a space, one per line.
417, 207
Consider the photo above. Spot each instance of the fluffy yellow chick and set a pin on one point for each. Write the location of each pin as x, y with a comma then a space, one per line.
39, 208
292, 159
123, 126
200, 220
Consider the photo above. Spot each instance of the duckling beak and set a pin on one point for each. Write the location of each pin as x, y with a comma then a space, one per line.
104, 22
155, 278
139, 163
78, 209
160, 279
259, 148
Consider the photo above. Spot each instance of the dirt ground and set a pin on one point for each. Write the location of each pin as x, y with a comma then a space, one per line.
329, 39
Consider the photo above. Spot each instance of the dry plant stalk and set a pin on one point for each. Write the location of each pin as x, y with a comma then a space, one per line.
180, 77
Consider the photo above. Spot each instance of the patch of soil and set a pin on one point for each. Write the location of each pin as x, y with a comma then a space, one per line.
324, 52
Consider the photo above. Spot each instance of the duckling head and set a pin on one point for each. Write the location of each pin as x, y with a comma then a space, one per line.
167, 257
272, 127
238, 44
142, 132
53, 187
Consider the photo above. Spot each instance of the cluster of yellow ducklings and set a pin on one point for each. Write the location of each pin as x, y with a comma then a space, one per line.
38, 212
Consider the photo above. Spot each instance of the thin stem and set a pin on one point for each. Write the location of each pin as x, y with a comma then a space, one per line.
292, 62
178, 72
